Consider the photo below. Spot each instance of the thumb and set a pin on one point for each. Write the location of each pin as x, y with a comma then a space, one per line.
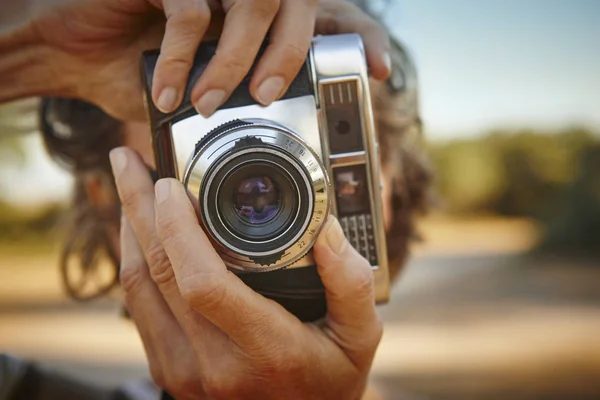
349, 287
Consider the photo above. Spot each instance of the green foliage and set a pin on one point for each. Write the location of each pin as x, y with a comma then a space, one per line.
574, 227
512, 174
554, 178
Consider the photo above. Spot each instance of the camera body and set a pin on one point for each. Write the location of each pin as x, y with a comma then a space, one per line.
266, 178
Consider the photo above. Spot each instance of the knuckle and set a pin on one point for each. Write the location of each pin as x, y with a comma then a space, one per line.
176, 61
130, 199
287, 361
205, 290
296, 53
235, 66
197, 13
192, 14
160, 266
219, 386
280, 356
364, 280
264, 9
131, 277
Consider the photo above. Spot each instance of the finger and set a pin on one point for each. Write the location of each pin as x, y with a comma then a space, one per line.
204, 280
163, 339
289, 43
246, 24
336, 17
136, 191
187, 21
349, 288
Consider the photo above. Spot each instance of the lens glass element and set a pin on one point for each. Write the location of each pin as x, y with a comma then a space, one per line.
257, 200
257, 197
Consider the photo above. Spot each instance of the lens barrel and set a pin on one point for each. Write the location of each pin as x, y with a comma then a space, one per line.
258, 222
263, 194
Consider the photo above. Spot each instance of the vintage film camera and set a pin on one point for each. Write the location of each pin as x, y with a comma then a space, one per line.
266, 178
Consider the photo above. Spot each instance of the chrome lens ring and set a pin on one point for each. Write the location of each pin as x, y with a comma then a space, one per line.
282, 142
212, 213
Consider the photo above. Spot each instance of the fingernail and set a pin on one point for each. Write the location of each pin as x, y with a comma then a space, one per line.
270, 90
387, 60
162, 190
335, 236
118, 160
210, 101
167, 100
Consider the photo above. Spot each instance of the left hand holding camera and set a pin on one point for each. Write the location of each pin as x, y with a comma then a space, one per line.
208, 335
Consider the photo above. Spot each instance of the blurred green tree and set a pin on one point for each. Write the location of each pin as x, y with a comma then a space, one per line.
16, 119
574, 225
553, 178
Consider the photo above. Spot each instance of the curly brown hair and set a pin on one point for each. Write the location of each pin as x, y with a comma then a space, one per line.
79, 136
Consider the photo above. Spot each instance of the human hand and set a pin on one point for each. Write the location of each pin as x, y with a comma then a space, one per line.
208, 335
95, 47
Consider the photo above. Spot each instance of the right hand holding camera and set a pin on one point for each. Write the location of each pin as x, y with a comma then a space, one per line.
91, 49
207, 334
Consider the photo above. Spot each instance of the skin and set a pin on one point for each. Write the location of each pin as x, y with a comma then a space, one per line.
154, 300
91, 49
205, 333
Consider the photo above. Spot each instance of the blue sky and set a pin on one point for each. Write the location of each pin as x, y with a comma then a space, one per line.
489, 64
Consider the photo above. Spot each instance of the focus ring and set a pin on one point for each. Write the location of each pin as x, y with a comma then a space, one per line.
258, 137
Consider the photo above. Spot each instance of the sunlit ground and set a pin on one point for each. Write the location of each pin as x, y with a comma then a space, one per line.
470, 319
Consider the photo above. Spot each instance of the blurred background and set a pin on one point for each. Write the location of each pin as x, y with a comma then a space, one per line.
501, 298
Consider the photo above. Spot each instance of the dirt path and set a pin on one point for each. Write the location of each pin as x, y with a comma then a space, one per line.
466, 321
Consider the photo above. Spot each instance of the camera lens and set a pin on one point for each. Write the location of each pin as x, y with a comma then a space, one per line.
257, 200
263, 194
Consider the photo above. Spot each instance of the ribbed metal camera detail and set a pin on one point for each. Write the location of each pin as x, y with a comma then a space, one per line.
342, 112
359, 231
351, 155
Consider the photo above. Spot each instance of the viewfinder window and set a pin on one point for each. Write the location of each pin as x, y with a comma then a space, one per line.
351, 190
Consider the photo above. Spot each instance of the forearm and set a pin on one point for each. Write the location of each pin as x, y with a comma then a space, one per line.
25, 61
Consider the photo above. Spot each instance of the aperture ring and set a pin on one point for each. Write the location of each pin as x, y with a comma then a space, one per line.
232, 143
